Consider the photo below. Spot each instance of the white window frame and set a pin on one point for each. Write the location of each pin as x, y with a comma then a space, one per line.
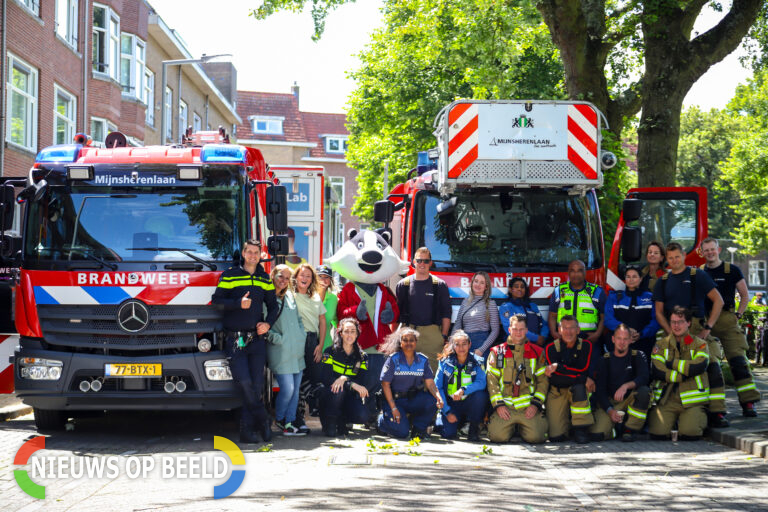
148, 97
135, 60
107, 126
273, 125
68, 119
30, 96
197, 122
757, 273
111, 35
338, 181
66, 21
342, 141
183, 117
168, 114
33, 6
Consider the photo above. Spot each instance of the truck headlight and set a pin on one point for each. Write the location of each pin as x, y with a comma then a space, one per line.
34, 368
217, 369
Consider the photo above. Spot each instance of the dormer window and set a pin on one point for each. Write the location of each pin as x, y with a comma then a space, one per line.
272, 125
336, 144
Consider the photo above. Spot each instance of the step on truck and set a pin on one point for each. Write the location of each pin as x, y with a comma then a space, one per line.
120, 251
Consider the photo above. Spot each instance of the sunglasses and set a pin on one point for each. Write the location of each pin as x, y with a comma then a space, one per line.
422, 260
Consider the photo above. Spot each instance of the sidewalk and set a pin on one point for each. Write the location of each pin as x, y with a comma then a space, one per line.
11, 407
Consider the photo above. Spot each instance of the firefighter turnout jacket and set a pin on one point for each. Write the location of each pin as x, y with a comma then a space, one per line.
515, 375
682, 365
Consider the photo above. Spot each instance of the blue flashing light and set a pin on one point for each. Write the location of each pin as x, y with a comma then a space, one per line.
61, 153
424, 163
222, 153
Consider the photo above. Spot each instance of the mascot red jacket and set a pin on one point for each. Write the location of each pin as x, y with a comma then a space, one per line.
367, 261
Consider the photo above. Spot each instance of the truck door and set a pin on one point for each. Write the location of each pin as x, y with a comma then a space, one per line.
664, 214
305, 218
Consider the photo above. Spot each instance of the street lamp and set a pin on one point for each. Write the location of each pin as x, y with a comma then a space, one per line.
178, 62
732, 250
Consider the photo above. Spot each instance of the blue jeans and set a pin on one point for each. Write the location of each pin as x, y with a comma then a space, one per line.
421, 410
477, 339
471, 409
288, 397
247, 366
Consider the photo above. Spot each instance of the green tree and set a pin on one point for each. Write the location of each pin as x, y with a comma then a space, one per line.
706, 139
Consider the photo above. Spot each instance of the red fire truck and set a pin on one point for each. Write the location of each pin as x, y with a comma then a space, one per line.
121, 250
511, 190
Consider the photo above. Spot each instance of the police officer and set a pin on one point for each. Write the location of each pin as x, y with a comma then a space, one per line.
518, 386
569, 361
686, 287
680, 384
582, 300
243, 291
621, 389
729, 279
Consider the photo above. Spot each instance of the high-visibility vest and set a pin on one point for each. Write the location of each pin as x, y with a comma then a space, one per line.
459, 379
580, 305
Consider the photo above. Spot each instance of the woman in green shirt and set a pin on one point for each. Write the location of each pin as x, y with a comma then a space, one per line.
327, 291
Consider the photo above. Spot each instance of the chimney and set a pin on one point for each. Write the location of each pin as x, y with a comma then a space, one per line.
295, 91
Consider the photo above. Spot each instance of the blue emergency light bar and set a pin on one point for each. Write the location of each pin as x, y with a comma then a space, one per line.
61, 153
222, 153
425, 162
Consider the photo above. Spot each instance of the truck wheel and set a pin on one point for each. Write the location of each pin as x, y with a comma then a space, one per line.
49, 419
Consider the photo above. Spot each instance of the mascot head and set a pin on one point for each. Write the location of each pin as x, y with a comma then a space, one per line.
367, 257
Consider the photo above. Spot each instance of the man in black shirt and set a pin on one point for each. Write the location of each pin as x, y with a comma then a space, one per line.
729, 280
621, 389
689, 287
425, 305
242, 292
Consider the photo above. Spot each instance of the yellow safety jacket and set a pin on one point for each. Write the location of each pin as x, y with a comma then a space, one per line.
517, 367
580, 305
682, 363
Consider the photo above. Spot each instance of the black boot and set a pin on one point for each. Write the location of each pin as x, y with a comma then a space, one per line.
718, 420
580, 435
266, 430
330, 425
247, 435
474, 432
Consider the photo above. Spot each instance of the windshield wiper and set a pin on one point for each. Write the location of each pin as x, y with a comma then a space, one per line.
185, 252
89, 255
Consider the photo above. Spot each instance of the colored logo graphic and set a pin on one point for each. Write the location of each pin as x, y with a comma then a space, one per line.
21, 475
234, 480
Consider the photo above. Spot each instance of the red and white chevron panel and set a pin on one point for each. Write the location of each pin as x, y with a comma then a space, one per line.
8, 344
462, 138
582, 139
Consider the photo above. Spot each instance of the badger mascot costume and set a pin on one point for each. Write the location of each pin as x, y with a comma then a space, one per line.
367, 260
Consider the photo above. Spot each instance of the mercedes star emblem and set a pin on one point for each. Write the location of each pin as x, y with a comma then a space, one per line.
133, 316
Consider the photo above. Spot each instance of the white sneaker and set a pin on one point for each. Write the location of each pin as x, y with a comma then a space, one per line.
290, 430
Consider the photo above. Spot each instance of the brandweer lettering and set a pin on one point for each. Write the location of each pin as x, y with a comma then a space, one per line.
145, 278
533, 281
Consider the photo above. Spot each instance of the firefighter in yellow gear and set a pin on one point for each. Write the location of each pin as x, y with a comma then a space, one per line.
680, 383
517, 386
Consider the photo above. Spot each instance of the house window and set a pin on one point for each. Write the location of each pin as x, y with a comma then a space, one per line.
197, 122
106, 41
66, 20
757, 273
168, 114
337, 184
267, 124
22, 103
64, 117
131, 65
149, 96
100, 128
336, 145
183, 113
32, 5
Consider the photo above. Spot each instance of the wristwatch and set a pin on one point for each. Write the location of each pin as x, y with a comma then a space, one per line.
707, 327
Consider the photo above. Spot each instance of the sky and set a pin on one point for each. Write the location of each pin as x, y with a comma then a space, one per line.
271, 55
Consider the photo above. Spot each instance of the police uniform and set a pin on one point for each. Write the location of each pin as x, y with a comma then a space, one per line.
612, 373
586, 305
339, 409
245, 349
689, 289
680, 386
568, 399
470, 377
416, 405
516, 380
728, 331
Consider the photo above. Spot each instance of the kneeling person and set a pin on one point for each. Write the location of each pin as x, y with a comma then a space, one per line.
621, 388
569, 361
680, 385
461, 383
517, 385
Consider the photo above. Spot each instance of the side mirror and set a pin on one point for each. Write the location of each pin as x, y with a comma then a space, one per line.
7, 203
631, 208
9, 246
277, 245
446, 207
384, 211
630, 244
277, 208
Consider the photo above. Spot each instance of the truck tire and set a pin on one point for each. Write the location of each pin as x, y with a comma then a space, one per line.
46, 419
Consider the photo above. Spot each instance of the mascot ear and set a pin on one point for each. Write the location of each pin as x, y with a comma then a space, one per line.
385, 234
351, 233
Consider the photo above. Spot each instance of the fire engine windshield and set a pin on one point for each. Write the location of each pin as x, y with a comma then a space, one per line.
139, 224
510, 230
